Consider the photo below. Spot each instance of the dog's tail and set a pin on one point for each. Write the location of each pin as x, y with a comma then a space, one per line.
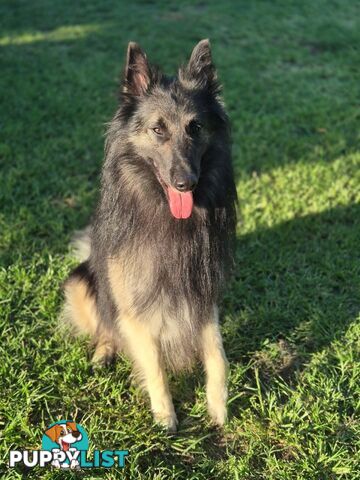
81, 243
80, 310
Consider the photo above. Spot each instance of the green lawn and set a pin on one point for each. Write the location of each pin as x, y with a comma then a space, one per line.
291, 320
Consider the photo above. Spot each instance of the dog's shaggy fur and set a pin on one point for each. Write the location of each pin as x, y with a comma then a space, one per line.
152, 280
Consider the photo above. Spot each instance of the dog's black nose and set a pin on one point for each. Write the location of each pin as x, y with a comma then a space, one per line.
185, 183
76, 434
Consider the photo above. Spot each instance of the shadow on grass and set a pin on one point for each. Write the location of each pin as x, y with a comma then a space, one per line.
297, 288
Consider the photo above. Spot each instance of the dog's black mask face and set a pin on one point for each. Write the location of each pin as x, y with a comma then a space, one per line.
172, 121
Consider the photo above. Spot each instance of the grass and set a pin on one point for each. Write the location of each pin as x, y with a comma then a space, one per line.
291, 320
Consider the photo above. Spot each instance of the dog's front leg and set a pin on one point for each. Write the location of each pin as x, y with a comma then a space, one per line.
144, 350
216, 367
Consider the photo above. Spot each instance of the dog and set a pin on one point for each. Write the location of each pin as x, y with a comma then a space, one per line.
160, 245
64, 434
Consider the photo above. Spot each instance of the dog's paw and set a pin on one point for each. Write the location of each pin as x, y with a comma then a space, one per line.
55, 463
99, 361
218, 414
74, 465
216, 405
167, 420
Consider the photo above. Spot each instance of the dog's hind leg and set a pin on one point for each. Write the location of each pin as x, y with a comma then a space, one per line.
143, 348
80, 310
216, 367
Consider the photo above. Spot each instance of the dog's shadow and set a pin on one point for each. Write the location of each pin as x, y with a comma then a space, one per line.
296, 289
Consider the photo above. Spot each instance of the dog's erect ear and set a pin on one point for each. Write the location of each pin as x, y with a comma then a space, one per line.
53, 433
200, 67
137, 71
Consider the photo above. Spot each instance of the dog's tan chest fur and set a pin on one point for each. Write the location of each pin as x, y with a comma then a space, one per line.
174, 330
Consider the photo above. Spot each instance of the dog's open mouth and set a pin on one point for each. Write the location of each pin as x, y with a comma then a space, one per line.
181, 203
65, 446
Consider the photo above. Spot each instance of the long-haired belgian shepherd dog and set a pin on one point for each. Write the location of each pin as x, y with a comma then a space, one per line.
160, 244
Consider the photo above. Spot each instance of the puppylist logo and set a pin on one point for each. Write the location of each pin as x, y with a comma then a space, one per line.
65, 445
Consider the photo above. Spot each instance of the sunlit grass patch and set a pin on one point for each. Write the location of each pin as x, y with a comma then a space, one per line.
59, 34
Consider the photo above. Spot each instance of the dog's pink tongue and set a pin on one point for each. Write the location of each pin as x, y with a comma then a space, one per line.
65, 446
181, 204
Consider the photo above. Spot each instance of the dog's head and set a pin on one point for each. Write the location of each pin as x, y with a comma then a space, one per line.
171, 122
64, 434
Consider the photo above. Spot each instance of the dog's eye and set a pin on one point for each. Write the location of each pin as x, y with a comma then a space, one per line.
157, 130
69, 430
194, 127
62, 433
